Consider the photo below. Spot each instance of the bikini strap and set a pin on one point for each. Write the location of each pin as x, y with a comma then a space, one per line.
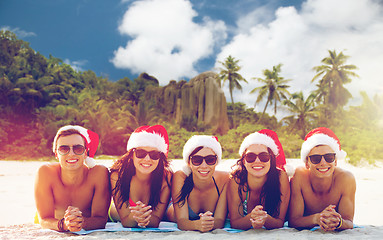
216, 187
244, 204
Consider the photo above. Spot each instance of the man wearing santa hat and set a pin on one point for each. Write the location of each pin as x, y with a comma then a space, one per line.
322, 194
74, 193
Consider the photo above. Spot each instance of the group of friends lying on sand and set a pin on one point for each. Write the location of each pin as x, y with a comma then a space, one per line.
140, 189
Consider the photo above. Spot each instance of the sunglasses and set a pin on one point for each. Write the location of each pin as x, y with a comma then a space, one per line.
317, 158
65, 149
141, 153
197, 160
251, 157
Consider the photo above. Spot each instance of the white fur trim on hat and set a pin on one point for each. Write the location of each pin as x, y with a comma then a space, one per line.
258, 138
200, 141
321, 139
146, 139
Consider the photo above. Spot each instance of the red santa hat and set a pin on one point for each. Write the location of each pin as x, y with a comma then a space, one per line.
200, 141
91, 142
322, 136
150, 136
268, 138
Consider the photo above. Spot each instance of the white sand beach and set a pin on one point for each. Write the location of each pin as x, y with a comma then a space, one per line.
17, 208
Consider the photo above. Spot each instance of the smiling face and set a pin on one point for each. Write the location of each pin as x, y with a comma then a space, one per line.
203, 171
71, 161
257, 168
145, 165
323, 168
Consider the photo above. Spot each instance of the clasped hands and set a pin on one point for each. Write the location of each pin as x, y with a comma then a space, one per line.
73, 219
141, 214
258, 217
329, 219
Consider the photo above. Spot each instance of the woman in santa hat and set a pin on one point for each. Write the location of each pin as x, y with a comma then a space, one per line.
141, 178
258, 193
198, 191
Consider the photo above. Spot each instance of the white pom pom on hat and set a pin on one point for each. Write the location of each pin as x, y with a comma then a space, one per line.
200, 141
150, 136
91, 142
322, 136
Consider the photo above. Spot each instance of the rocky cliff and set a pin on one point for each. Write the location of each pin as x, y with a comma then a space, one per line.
201, 98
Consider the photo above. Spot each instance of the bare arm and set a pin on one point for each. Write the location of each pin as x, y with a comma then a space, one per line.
159, 211
127, 219
347, 202
101, 199
220, 212
206, 221
278, 221
297, 205
44, 197
237, 220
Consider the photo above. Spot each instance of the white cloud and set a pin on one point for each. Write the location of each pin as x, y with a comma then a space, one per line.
19, 32
76, 65
166, 42
300, 40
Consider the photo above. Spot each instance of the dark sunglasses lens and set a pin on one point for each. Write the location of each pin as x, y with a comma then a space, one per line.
250, 157
141, 153
78, 149
211, 159
196, 160
64, 149
264, 157
329, 157
315, 159
154, 155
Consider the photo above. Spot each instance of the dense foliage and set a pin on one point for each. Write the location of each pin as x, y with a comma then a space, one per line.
38, 95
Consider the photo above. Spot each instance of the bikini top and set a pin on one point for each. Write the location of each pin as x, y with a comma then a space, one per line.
192, 215
244, 204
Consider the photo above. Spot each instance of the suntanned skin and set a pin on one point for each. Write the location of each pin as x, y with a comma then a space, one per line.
72, 191
141, 215
203, 198
321, 194
256, 217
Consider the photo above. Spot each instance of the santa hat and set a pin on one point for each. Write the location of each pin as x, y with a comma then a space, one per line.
200, 141
91, 142
150, 136
268, 138
322, 136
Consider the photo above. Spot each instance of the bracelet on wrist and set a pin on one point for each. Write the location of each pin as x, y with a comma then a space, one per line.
60, 225
340, 223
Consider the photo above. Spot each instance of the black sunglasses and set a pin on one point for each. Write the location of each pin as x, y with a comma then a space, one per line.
251, 157
77, 149
197, 160
141, 153
317, 158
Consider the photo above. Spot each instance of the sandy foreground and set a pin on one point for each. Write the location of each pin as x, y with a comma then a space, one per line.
17, 208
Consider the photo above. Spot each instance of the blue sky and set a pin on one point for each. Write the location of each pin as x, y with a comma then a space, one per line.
178, 39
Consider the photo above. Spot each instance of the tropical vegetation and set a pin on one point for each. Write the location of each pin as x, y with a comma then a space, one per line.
39, 94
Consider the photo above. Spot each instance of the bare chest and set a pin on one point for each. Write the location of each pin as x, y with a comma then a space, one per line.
80, 197
203, 201
317, 202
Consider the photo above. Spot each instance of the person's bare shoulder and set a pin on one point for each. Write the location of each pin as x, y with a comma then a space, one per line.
221, 176
300, 175
179, 176
99, 173
50, 169
344, 177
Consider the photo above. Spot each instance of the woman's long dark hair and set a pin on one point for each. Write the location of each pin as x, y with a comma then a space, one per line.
126, 170
188, 184
270, 197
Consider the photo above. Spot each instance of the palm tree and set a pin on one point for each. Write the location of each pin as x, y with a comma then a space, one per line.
303, 110
334, 73
274, 87
230, 73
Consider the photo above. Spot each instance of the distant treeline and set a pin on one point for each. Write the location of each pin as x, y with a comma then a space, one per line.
38, 95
